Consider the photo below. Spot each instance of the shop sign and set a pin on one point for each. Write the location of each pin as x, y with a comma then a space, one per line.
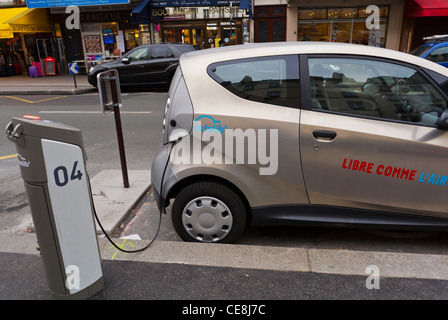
30, 27
194, 3
66, 3
108, 16
158, 12
5, 34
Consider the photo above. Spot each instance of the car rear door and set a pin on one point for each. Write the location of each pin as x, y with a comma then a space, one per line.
368, 136
161, 65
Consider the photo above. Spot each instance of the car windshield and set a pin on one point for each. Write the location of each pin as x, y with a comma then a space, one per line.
420, 51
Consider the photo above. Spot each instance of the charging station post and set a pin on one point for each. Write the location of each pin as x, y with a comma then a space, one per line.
110, 100
52, 159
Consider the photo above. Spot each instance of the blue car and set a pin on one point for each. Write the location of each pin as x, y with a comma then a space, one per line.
435, 49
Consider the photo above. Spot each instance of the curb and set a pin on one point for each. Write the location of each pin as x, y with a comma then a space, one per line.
48, 92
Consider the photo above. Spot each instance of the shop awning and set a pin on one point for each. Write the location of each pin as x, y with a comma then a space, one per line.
140, 14
23, 20
6, 15
247, 5
432, 4
426, 8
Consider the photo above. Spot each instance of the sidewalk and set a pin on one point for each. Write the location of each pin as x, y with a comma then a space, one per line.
62, 84
191, 271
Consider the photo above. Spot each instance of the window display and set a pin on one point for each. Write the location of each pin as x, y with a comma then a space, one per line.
341, 25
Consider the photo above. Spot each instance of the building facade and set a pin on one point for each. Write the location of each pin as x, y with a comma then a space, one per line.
204, 24
25, 37
112, 30
340, 21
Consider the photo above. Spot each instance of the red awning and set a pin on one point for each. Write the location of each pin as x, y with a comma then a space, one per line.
426, 8
433, 4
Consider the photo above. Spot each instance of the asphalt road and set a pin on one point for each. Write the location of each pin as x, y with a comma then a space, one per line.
141, 117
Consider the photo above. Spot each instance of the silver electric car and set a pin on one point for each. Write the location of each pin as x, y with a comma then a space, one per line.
303, 133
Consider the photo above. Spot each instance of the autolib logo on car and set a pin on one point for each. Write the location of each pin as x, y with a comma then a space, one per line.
216, 125
217, 144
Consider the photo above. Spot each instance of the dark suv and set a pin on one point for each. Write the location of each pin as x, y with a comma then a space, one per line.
148, 65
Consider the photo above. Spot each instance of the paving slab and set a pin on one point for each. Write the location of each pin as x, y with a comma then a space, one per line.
112, 201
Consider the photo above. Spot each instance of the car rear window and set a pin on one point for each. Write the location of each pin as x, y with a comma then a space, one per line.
160, 52
273, 80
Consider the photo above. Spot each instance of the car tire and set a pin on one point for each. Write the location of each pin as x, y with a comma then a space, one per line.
208, 212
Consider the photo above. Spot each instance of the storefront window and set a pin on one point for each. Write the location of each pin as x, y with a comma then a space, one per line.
102, 40
342, 13
341, 25
204, 27
314, 31
145, 37
131, 36
309, 14
110, 32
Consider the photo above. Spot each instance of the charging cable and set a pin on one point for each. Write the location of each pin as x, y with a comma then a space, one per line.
160, 214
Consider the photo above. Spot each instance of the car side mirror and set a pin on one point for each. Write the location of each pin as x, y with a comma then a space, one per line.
125, 61
443, 121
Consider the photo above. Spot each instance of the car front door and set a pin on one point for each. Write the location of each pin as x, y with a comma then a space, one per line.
369, 138
131, 66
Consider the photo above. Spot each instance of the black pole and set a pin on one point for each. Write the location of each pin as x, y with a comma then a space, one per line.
117, 117
74, 79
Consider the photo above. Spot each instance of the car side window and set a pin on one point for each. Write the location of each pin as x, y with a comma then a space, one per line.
374, 89
160, 52
138, 54
273, 80
439, 55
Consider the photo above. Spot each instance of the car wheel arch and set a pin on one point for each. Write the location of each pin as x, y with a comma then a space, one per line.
181, 184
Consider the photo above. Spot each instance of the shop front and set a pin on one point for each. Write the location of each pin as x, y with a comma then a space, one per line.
106, 33
423, 18
202, 26
25, 40
341, 21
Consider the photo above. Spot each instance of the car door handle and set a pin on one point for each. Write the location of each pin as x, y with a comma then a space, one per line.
324, 135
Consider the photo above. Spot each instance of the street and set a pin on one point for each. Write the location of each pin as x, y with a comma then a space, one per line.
141, 117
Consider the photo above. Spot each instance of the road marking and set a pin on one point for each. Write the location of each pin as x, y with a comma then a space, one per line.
28, 101
93, 112
8, 157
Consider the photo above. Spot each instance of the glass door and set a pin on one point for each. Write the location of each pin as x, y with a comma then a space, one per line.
341, 31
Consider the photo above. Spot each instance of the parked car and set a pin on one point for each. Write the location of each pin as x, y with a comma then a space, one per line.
148, 65
314, 134
435, 49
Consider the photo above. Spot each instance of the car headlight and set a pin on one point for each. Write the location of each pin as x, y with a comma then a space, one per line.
91, 70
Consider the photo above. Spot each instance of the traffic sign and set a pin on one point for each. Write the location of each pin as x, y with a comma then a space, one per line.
73, 67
